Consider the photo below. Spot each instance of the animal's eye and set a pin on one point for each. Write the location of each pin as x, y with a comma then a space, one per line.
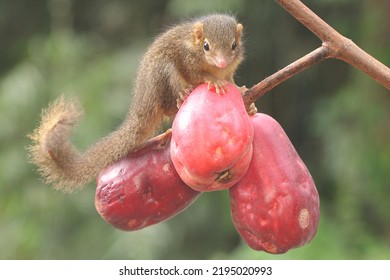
206, 46
234, 45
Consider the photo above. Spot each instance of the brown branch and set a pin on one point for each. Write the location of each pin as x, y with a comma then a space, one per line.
340, 46
334, 45
258, 90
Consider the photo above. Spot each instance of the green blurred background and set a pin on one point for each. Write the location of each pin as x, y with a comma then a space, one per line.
337, 118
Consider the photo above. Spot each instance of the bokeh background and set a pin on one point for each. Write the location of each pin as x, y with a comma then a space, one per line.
337, 117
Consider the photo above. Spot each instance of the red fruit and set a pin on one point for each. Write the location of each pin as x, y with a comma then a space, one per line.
142, 189
212, 137
275, 206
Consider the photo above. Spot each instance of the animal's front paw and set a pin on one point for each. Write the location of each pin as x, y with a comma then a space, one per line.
219, 86
183, 95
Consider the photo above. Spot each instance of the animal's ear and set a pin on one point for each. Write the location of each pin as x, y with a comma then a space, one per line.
198, 33
239, 30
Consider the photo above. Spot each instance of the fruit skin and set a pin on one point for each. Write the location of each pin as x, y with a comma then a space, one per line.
142, 189
275, 206
212, 138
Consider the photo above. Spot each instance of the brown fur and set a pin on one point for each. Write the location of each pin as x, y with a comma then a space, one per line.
174, 62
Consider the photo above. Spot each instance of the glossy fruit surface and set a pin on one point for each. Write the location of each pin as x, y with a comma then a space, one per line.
142, 189
212, 138
275, 206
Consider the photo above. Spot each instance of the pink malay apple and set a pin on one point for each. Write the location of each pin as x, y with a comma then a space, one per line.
212, 137
142, 189
275, 206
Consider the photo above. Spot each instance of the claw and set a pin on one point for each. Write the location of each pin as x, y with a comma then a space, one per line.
183, 95
251, 110
219, 86
243, 89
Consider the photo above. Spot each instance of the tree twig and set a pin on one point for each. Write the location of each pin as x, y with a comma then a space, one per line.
334, 45
258, 90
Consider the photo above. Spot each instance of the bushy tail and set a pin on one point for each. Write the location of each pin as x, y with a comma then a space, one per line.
51, 149
62, 165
